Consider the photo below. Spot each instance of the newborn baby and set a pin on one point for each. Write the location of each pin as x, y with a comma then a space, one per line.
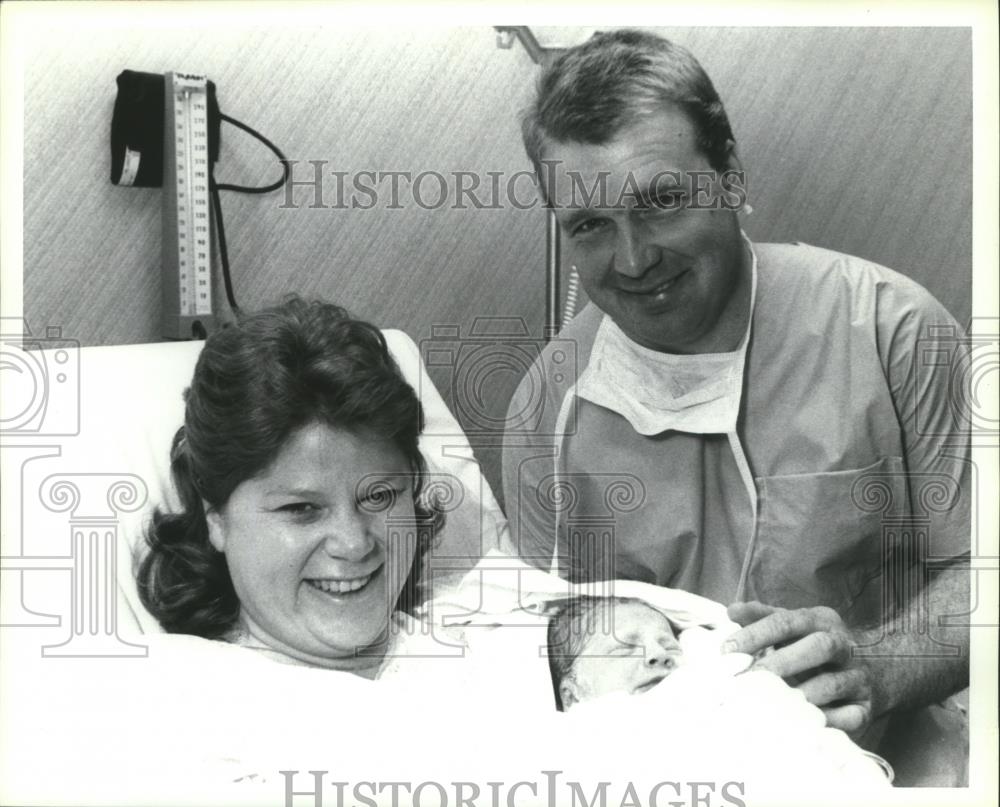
599, 645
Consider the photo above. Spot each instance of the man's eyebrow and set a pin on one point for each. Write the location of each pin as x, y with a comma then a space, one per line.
663, 185
582, 213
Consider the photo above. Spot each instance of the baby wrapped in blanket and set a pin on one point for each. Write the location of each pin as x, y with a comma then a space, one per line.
470, 704
598, 645
626, 659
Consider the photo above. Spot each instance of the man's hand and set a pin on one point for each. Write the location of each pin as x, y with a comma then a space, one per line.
812, 651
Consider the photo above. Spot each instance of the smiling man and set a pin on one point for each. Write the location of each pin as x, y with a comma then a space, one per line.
741, 420
671, 270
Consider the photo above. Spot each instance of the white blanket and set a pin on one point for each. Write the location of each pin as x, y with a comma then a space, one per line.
202, 722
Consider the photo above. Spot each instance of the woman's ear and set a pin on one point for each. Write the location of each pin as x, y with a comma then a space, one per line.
216, 527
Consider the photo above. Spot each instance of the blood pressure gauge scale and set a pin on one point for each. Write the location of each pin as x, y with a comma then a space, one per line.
187, 228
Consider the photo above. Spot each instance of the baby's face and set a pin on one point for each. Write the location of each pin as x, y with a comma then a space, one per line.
632, 654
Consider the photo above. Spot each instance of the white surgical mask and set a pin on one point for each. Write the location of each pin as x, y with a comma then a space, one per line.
657, 392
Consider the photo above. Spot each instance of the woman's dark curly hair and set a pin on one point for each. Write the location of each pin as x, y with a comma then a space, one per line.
256, 383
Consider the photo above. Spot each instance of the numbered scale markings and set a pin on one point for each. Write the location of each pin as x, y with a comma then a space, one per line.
187, 218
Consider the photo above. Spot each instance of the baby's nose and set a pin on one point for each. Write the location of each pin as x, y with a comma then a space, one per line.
658, 656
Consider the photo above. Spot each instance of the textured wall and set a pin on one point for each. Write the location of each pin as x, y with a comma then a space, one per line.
361, 99
858, 140
854, 139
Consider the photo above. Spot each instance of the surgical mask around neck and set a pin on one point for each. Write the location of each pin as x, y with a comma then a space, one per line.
657, 392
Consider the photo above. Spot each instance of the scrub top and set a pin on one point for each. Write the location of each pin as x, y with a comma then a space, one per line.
849, 419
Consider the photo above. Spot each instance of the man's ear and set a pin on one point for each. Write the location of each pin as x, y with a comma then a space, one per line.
216, 529
734, 181
733, 162
569, 692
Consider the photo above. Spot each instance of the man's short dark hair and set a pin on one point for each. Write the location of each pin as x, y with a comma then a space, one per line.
594, 90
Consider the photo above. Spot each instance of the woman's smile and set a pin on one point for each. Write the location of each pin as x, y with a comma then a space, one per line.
321, 583
342, 585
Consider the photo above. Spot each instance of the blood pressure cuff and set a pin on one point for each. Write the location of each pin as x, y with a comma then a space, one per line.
137, 129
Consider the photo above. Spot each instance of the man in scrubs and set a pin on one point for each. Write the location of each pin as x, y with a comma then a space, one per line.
749, 422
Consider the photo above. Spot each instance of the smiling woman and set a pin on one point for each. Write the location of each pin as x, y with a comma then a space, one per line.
300, 480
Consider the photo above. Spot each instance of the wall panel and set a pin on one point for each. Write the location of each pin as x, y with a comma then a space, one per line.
854, 139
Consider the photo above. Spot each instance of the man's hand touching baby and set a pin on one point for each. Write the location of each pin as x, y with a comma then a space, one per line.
812, 651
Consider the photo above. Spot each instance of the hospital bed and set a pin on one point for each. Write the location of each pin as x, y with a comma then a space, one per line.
76, 507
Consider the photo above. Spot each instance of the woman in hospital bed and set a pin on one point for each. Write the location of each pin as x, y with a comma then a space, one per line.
284, 582
297, 458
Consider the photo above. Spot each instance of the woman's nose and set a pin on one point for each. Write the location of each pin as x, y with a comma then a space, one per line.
634, 253
348, 537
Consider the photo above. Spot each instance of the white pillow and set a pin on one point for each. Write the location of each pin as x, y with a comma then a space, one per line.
105, 481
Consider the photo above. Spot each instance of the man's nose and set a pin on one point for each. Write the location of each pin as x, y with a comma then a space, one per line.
634, 252
348, 537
